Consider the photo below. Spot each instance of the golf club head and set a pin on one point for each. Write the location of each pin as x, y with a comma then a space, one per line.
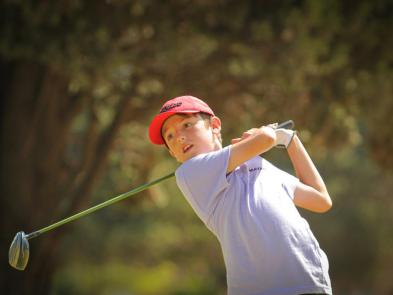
18, 255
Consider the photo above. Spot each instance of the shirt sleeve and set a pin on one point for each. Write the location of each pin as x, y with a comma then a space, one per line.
202, 180
289, 183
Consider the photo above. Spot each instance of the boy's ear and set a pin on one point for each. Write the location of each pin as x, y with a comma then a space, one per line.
216, 124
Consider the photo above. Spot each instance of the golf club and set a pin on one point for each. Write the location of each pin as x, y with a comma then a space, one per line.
18, 255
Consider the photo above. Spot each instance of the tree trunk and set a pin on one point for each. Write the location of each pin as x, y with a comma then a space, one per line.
37, 113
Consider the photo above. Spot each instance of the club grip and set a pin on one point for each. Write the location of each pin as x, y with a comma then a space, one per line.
287, 124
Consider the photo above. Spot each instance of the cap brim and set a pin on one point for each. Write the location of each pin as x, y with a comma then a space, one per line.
157, 123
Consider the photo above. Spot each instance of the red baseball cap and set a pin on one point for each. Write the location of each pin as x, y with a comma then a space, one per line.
179, 105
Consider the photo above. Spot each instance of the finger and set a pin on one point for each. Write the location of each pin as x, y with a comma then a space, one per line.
235, 140
246, 134
273, 125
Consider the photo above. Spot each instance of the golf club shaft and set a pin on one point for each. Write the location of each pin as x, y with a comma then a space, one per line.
287, 124
97, 207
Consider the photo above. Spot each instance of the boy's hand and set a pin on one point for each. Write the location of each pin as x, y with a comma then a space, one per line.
284, 137
249, 133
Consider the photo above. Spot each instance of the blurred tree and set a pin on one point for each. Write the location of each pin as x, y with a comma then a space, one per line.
66, 91
74, 72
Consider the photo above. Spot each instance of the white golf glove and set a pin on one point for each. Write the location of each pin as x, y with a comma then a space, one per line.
283, 136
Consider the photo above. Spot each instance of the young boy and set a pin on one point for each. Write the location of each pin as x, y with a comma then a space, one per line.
249, 204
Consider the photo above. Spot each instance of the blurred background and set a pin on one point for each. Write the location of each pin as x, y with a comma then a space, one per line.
81, 80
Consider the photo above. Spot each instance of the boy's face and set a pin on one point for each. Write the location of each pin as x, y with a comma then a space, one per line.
189, 135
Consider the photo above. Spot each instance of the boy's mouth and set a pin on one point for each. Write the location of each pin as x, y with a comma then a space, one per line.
187, 147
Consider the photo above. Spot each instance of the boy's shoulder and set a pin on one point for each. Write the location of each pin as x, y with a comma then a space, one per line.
220, 157
203, 178
206, 159
216, 162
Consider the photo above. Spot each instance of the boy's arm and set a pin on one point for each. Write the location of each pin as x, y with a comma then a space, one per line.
311, 192
252, 143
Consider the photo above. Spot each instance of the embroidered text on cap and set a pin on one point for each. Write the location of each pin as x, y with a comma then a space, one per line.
170, 106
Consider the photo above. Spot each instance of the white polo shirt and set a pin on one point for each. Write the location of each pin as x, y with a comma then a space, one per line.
268, 247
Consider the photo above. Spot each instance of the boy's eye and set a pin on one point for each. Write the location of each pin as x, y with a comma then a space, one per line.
187, 124
169, 136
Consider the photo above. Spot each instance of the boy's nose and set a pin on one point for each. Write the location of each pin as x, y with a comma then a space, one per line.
181, 139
